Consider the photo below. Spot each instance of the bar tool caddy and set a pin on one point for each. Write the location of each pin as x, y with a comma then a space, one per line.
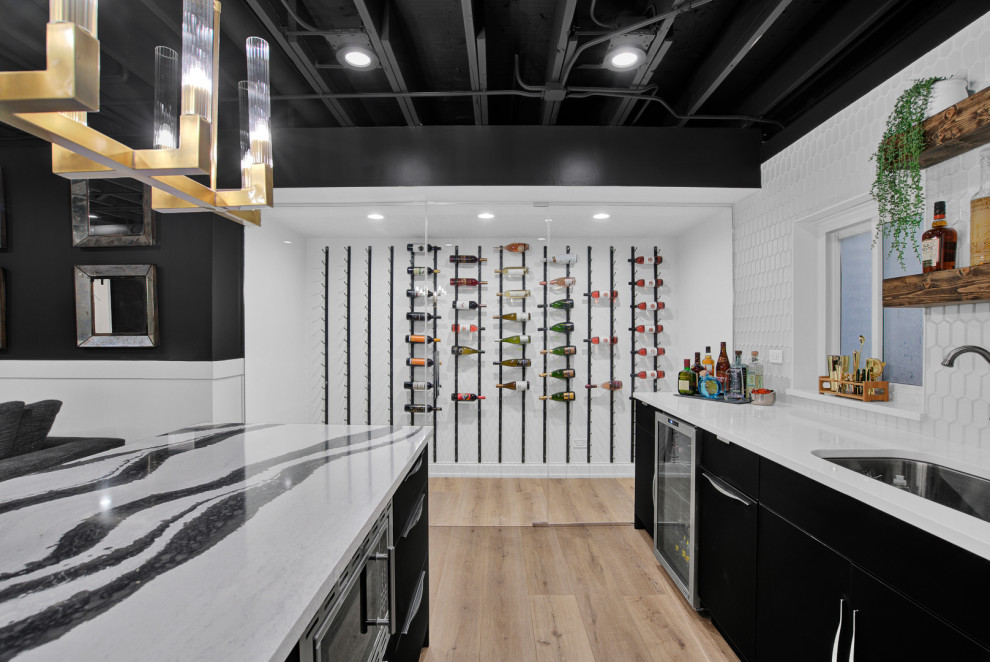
863, 384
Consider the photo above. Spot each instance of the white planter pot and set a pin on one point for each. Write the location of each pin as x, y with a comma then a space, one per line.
946, 93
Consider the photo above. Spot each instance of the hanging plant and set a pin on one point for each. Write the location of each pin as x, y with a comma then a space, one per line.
897, 187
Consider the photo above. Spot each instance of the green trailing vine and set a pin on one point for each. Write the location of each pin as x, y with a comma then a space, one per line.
897, 187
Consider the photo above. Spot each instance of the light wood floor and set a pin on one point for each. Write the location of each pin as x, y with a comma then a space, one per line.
525, 501
569, 593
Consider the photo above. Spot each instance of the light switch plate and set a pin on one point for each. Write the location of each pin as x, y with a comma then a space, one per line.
776, 356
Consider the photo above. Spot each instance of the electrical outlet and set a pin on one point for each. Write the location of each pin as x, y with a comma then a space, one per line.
776, 356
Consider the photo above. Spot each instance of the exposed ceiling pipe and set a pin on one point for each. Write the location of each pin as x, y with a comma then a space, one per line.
716, 118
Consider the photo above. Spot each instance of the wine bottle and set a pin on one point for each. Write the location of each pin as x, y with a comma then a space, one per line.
514, 317
467, 282
421, 363
513, 294
421, 317
687, 380
614, 385
514, 386
697, 368
603, 341
417, 386
649, 351
563, 396
648, 259
517, 247
517, 340
614, 294
465, 328
420, 409
561, 304
648, 328
466, 305
567, 258
563, 350
421, 271
421, 339
467, 259
466, 397
722, 367
650, 374
559, 327
507, 271
421, 248
560, 282
563, 373
412, 294
707, 363
514, 363
463, 350
650, 305
648, 283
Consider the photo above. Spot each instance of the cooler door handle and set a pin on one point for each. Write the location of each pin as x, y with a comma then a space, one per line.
838, 631
852, 642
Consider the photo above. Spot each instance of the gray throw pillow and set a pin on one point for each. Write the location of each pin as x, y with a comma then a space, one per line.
10, 419
36, 421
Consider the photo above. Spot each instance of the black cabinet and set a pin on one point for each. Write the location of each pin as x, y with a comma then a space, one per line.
646, 466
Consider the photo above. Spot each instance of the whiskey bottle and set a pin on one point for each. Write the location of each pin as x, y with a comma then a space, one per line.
514, 386
514, 317
560, 304
467, 259
467, 282
938, 244
697, 368
564, 350
560, 282
466, 305
514, 363
563, 396
517, 247
707, 363
559, 327
421, 317
722, 368
687, 380
563, 373
754, 374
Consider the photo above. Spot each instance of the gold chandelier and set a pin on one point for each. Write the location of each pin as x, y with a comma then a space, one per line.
52, 105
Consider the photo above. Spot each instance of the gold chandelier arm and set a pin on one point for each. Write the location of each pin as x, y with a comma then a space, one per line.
70, 83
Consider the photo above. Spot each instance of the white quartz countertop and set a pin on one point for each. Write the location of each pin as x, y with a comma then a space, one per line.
213, 543
788, 435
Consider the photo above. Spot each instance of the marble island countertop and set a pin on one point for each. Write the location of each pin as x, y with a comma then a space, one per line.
789, 435
211, 543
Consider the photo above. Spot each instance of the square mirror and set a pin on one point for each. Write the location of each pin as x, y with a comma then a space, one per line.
112, 212
116, 305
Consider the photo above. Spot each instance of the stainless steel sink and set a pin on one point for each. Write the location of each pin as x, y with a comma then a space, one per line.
960, 491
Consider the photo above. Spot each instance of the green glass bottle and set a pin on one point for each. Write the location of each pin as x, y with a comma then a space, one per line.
563, 350
462, 350
517, 340
560, 327
687, 380
563, 396
563, 373
561, 304
514, 363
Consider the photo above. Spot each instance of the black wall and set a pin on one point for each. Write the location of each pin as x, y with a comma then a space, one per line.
199, 259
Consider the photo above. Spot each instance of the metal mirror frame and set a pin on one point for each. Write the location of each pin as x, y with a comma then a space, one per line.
84, 275
81, 229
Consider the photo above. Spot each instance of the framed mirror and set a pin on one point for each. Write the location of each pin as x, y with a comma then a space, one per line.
116, 305
111, 212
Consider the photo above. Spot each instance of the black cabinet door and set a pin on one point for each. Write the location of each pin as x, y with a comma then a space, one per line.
888, 626
646, 466
803, 589
727, 529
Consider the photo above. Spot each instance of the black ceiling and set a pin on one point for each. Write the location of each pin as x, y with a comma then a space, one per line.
783, 66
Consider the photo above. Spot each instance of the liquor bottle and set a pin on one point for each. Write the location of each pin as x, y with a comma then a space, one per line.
563, 350
421, 317
564, 281
466, 305
466, 397
514, 363
421, 271
979, 215
707, 363
603, 341
561, 304
421, 248
412, 294
648, 328
417, 386
514, 386
722, 367
648, 283
467, 259
420, 409
567, 258
421, 363
649, 305
649, 351
754, 374
559, 327
464, 328
938, 244
463, 350
513, 294
735, 380
563, 396
421, 339
697, 368
614, 294
512, 271
649, 374
687, 380
563, 373
516, 247
648, 259
467, 282
514, 317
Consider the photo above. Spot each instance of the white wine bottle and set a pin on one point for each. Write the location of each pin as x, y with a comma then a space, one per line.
566, 258
517, 340
513, 271
417, 386
513, 294
514, 317
514, 386
564, 350
462, 350
514, 363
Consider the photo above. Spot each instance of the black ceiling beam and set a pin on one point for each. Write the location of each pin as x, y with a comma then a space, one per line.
377, 17
482, 43
736, 39
475, 63
562, 46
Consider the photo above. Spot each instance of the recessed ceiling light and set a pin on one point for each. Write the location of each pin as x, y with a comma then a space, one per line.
375, 217
357, 57
624, 58
548, 220
286, 242
600, 217
486, 215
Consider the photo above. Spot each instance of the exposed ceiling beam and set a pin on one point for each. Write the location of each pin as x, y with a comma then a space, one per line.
483, 71
474, 62
745, 28
562, 45
385, 41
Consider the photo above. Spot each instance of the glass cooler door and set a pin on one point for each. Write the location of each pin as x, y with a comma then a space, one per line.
675, 502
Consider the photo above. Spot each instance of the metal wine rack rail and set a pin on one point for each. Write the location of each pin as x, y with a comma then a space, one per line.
567, 366
611, 352
326, 335
347, 335
590, 335
368, 343
632, 333
546, 324
457, 357
391, 335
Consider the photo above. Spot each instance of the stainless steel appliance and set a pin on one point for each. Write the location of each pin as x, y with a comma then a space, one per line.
355, 621
676, 503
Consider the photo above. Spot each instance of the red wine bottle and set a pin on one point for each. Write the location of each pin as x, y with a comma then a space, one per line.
467, 259
648, 328
467, 282
603, 341
648, 283
649, 374
650, 351
466, 397
648, 259
614, 294
466, 305
650, 305
420, 409
465, 328
421, 317
421, 271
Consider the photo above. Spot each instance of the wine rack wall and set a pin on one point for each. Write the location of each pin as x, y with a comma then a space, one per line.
364, 366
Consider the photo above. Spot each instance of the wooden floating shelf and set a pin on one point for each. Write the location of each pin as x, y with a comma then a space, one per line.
938, 288
957, 129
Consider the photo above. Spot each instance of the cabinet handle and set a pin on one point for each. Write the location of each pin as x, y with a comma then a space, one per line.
415, 469
852, 642
416, 602
725, 491
391, 620
392, 616
415, 517
838, 631
654, 494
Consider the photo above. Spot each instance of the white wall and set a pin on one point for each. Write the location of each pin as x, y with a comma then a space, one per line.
704, 278
827, 168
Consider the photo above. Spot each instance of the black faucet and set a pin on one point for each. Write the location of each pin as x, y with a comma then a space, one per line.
951, 357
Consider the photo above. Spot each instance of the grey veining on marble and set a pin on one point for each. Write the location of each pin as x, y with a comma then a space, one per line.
213, 543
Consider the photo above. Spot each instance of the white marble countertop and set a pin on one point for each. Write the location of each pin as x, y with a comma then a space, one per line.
213, 543
787, 434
